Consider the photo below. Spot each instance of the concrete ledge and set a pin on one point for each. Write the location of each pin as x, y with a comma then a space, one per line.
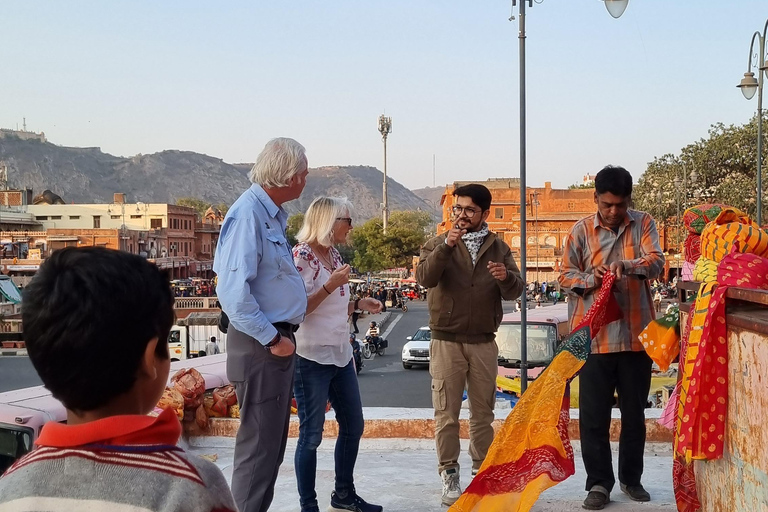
384, 423
12, 352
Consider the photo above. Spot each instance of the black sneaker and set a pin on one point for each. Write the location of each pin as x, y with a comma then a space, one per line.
351, 502
636, 492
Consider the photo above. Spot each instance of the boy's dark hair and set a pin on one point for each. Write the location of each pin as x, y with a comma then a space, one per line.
88, 316
479, 194
614, 179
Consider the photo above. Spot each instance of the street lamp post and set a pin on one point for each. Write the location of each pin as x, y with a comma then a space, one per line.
385, 128
535, 205
681, 190
615, 8
749, 85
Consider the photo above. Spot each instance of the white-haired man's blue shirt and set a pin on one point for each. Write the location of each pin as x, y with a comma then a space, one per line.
258, 284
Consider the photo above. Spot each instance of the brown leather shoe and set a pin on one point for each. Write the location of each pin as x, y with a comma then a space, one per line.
596, 500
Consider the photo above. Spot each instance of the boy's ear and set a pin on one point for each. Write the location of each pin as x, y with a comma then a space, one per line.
148, 362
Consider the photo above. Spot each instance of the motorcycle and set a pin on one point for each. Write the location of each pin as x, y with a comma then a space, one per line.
374, 345
402, 305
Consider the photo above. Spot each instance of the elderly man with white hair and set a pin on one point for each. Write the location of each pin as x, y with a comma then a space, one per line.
263, 295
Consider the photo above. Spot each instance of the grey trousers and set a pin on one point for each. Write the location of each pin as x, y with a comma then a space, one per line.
264, 396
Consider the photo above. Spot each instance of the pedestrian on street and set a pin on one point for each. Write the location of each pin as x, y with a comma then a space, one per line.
212, 348
253, 261
624, 242
325, 369
469, 270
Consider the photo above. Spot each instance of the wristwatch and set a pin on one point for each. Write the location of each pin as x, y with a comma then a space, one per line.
275, 341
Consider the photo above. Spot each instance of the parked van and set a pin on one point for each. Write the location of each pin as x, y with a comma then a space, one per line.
189, 335
546, 328
23, 412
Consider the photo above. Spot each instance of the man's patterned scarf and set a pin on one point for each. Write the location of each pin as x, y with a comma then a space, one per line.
474, 240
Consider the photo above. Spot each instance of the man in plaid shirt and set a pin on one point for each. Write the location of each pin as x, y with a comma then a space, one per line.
625, 242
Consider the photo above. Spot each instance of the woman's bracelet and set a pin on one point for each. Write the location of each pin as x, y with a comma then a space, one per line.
326, 290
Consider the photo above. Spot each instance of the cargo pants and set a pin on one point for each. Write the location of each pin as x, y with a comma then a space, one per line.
455, 366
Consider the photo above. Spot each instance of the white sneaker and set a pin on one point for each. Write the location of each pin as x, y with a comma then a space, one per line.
451, 486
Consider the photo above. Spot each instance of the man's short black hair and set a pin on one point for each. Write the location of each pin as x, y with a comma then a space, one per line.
614, 179
479, 194
88, 316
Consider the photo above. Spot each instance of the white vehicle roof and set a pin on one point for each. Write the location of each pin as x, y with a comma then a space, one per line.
548, 314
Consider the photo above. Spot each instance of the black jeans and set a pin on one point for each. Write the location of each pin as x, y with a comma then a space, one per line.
629, 374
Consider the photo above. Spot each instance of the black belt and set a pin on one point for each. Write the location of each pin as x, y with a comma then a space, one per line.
286, 326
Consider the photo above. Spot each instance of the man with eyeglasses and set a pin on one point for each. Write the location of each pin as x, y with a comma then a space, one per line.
468, 271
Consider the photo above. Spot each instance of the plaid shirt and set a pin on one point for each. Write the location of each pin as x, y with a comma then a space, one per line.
591, 244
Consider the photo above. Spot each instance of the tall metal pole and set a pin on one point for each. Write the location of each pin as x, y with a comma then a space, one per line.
523, 217
760, 133
386, 206
677, 233
536, 229
385, 128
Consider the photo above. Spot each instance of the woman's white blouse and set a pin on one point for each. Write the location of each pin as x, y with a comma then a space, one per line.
323, 337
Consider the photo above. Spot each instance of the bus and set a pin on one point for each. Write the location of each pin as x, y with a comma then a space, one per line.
23, 412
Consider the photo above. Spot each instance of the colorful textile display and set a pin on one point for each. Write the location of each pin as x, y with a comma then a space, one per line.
683, 478
661, 338
697, 217
705, 271
702, 423
532, 451
703, 403
687, 273
730, 227
692, 248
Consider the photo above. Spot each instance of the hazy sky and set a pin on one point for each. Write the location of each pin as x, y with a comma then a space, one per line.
222, 78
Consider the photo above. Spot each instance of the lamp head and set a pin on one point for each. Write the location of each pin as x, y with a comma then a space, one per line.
616, 7
694, 176
748, 85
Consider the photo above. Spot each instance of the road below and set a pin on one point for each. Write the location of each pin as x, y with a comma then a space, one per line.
17, 373
383, 381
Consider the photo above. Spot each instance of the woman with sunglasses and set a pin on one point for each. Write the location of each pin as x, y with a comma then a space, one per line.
324, 365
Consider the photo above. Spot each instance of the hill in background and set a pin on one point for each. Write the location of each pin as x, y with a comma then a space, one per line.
88, 175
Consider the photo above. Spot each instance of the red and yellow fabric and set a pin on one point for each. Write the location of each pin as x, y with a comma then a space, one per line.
532, 451
732, 227
705, 271
661, 339
702, 409
702, 420
692, 248
696, 218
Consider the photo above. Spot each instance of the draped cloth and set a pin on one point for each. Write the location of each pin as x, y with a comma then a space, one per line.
703, 405
732, 228
697, 217
692, 248
661, 338
532, 451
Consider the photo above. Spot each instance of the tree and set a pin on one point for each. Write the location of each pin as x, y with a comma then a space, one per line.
726, 168
577, 186
201, 206
293, 226
406, 233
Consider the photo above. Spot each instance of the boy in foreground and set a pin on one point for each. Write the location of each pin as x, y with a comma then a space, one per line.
96, 324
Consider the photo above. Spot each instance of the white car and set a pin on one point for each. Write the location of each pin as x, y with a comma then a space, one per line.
416, 351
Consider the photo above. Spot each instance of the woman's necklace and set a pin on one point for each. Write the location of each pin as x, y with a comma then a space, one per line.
325, 259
